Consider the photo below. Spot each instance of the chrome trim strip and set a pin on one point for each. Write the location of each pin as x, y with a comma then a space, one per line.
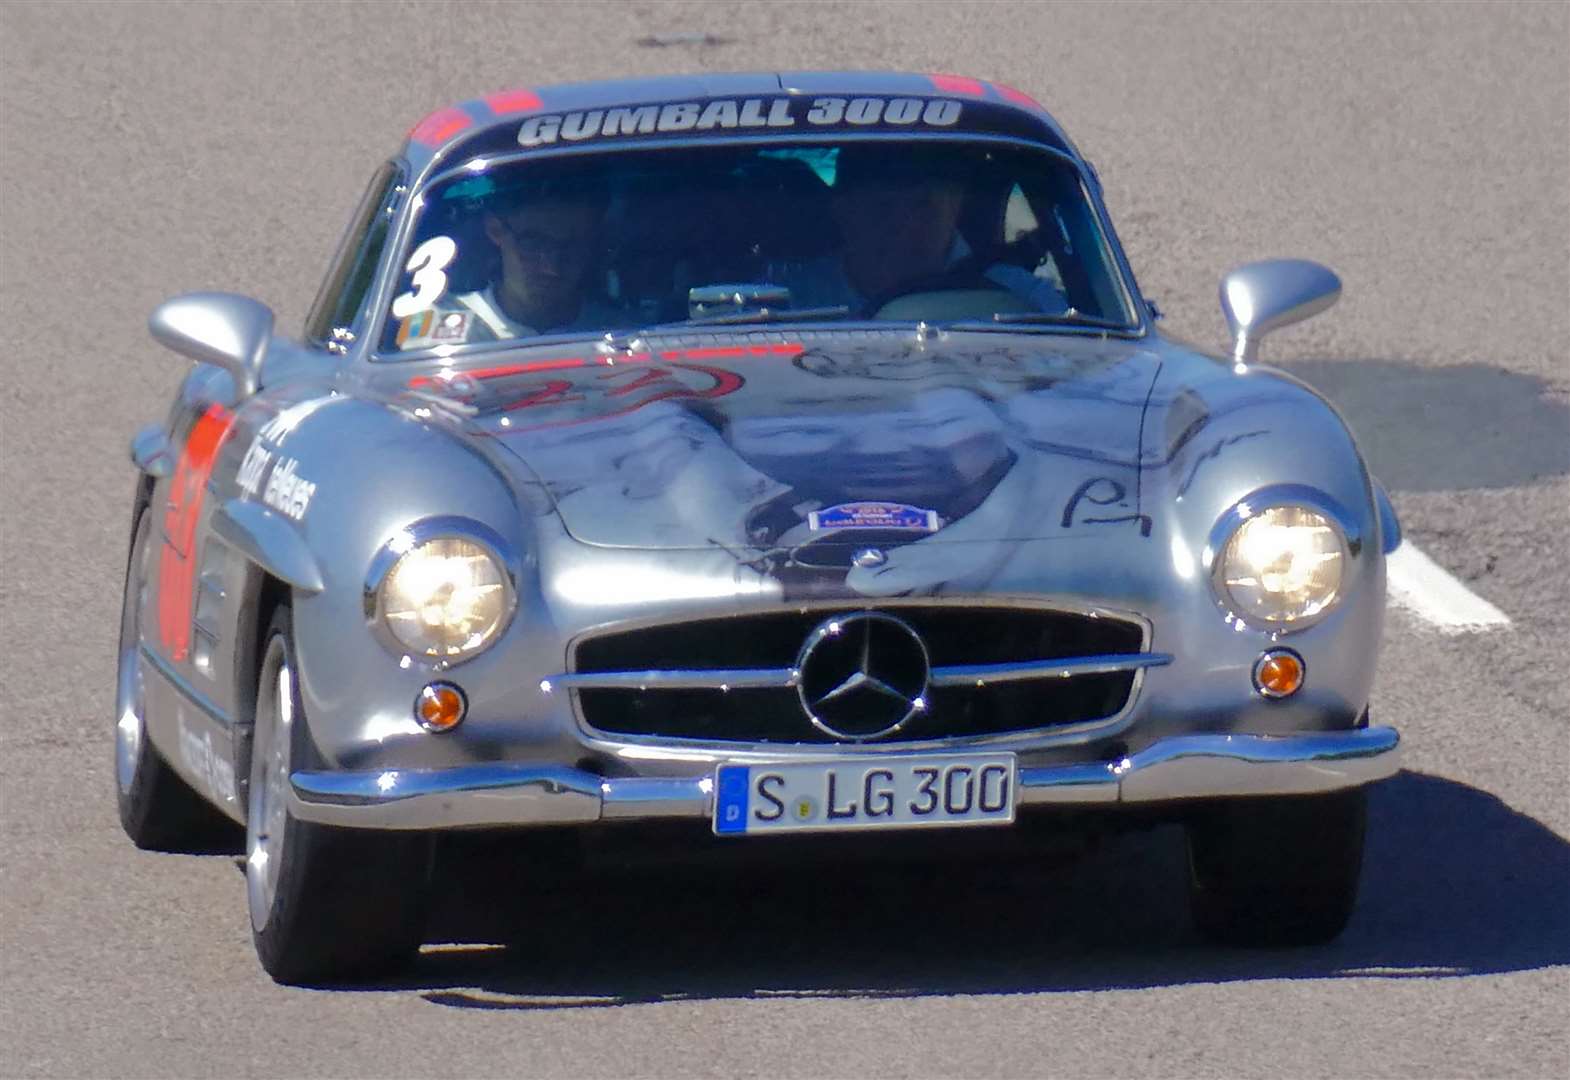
494, 795
470, 795
178, 681
680, 679
1089, 783
786, 678
1194, 766
641, 798
988, 674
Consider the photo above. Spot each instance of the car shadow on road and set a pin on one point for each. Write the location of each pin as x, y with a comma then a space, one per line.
1456, 883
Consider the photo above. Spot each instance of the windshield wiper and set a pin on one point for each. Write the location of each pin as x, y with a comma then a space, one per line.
760, 315
1058, 318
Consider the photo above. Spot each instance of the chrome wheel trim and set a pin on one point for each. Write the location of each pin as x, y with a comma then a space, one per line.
130, 711
266, 819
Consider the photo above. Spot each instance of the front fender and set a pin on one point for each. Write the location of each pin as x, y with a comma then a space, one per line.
317, 496
1215, 439
269, 541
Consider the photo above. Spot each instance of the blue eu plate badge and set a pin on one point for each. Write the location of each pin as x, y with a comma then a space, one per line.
730, 813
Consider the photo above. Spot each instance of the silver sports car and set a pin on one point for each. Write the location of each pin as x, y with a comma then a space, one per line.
754, 454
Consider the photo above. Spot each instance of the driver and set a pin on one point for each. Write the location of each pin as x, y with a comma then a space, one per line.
547, 241
899, 221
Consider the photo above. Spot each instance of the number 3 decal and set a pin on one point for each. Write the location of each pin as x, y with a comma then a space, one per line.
427, 264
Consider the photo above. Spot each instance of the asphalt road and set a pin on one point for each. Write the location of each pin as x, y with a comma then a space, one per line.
1422, 151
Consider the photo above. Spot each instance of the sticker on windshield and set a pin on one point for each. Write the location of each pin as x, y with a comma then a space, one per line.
453, 326
874, 515
415, 331
427, 265
731, 114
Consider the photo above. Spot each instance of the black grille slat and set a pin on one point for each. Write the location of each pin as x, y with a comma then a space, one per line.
953, 635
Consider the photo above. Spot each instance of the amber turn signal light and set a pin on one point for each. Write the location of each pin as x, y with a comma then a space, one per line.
440, 707
1278, 673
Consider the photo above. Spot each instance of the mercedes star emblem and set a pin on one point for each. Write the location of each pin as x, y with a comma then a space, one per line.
867, 558
862, 675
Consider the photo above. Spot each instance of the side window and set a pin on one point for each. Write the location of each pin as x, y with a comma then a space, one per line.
343, 292
1020, 223
1018, 218
1076, 252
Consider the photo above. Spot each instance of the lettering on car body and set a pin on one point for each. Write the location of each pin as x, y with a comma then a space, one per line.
202, 761
286, 492
729, 114
274, 479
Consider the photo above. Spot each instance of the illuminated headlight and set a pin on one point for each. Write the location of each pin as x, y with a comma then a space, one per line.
1283, 565
445, 598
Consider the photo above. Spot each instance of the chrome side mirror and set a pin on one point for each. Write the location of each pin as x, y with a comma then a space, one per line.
1260, 297
222, 329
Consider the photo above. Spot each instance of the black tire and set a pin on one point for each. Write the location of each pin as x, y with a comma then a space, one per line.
345, 904
1276, 872
158, 810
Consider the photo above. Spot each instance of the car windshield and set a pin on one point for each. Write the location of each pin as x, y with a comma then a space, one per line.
877, 229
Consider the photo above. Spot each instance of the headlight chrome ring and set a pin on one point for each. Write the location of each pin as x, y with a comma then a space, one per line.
473, 540
1282, 585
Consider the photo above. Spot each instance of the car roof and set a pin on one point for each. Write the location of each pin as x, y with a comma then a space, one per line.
493, 123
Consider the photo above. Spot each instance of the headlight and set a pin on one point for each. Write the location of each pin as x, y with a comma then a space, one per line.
445, 598
1282, 565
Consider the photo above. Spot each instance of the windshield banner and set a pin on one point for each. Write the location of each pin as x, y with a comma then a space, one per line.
725, 114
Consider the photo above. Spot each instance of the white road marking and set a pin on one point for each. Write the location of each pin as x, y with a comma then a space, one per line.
1430, 592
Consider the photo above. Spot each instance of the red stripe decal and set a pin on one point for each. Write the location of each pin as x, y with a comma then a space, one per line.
555, 392
1018, 97
513, 101
440, 126
177, 561
959, 84
502, 371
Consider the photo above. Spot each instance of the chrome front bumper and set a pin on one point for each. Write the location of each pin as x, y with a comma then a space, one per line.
500, 795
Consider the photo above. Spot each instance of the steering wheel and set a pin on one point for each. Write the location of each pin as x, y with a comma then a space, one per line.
960, 292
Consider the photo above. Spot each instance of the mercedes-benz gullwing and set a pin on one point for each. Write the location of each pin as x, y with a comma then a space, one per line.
775, 453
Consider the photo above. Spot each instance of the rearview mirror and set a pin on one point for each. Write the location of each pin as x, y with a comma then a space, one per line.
222, 329
708, 301
1260, 297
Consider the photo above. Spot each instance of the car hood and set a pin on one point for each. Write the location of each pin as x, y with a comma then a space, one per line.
829, 441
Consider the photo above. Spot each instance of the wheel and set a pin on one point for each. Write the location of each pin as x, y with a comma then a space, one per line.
1273, 872
327, 904
158, 810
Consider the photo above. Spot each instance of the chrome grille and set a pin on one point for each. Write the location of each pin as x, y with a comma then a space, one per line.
995, 670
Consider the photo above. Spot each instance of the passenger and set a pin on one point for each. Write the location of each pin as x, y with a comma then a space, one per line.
898, 215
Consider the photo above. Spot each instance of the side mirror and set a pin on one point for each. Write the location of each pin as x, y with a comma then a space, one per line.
1263, 296
222, 329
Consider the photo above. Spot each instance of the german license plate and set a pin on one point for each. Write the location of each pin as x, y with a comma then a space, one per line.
865, 793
